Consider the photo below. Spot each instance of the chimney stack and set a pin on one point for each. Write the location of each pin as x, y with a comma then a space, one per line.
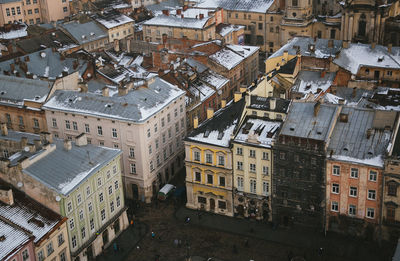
390, 48
317, 106
185, 7
46, 137
353, 94
210, 113
38, 144
286, 55
195, 122
81, 140
67, 144
330, 43
105, 92
272, 104
223, 103
373, 44
179, 11
237, 96
345, 44
7, 197
165, 12
4, 129
201, 16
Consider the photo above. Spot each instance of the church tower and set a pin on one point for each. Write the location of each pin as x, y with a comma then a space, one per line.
298, 18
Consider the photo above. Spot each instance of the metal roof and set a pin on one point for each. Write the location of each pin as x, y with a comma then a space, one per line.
64, 170
84, 33
302, 123
14, 90
137, 106
358, 138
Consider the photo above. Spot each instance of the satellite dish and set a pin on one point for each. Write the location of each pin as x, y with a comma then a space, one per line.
20, 184
26, 149
58, 198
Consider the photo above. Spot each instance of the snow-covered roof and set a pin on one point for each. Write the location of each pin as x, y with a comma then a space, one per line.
84, 33
302, 122
358, 55
112, 19
225, 29
311, 82
243, 50
258, 132
218, 130
214, 79
175, 21
30, 215
256, 6
45, 64
13, 34
16, 90
137, 106
64, 170
357, 140
321, 47
201, 90
227, 58
15, 238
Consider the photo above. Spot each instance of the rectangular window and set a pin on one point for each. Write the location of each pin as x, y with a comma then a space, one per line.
110, 190
83, 232
353, 192
335, 206
169, 133
116, 184
25, 255
252, 167
252, 153
40, 256
8, 116
155, 127
131, 152
239, 151
253, 186
202, 200
112, 206
71, 224
13, 11
67, 125
209, 158
87, 128
100, 130
265, 188
148, 133
336, 170
91, 224
63, 257
36, 10
103, 214
162, 122
240, 183
65, 9
222, 181
221, 204
133, 168
114, 133
151, 166
60, 239
118, 201
73, 240
282, 155
352, 210
69, 207
99, 182
101, 197
370, 213
335, 188
176, 126
265, 170
197, 156
392, 188
50, 249
35, 123
221, 160
168, 117
90, 207
265, 155
239, 165
8, 11
373, 175
209, 179
75, 125
150, 150
79, 199
354, 173
371, 194
197, 176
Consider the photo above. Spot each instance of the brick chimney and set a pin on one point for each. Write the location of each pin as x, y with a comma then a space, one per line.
237, 96
165, 12
7, 197
46, 137
223, 103
81, 140
4, 129
195, 122
201, 16
210, 113
105, 91
67, 144
272, 104
179, 11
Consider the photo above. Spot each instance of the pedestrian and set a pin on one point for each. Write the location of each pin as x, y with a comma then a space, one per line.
115, 246
320, 251
153, 234
132, 223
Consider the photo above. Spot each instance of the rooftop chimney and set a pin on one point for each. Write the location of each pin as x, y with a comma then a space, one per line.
7, 197
179, 11
38, 144
353, 94
237, 96
185, 7
330, 43
223, 103
46, 137
201, 16
105, 92
81, 140
165, 12
195, 122
4, 129
345, 44
373, 44
122, 91
317, 106
67, 144
389, 48
210, 113
286, 55
116, 45
272, 104
369, 133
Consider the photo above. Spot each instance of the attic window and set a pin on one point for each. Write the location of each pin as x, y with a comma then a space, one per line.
206, 134
308, 86
319, 130
220, 135
247, 128
291, 128
381, 58
345, 149
2, 92
37, 97
343, 117
370, 153
2, 238
108, 105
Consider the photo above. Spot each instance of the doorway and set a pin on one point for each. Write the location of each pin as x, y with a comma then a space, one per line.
135, 192
212, 204
105, 237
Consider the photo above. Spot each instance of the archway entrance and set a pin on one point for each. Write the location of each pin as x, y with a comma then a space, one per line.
105, 237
